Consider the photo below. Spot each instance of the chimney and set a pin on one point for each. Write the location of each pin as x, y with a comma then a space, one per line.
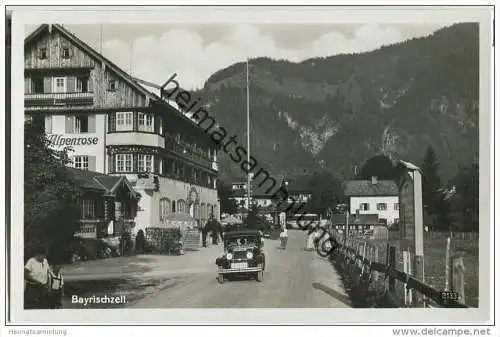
374, 180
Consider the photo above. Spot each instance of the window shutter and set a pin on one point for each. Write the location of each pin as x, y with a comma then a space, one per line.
69, 124
48, 124
90, 84
91, 160
27, 85
135, 120
47, 84
112, 121
111, 163
135, 162
71, 84
91, 123
156, 165
156, 123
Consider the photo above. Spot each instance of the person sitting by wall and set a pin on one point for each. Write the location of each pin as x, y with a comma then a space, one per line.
36, 276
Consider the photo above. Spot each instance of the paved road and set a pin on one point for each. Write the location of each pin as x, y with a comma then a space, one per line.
294, 278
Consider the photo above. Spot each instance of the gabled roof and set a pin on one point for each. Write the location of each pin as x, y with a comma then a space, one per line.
133, 82
98, 182
46, 28
367, 188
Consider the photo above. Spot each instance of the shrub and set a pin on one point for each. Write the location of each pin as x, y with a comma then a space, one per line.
162, 240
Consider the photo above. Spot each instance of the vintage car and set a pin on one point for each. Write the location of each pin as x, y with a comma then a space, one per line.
243, 255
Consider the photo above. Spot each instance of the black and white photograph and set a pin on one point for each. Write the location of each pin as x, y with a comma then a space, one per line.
242, 160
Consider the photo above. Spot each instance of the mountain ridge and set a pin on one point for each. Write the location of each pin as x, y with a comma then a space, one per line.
333, 113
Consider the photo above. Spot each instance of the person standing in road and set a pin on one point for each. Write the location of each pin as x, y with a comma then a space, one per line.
36, 276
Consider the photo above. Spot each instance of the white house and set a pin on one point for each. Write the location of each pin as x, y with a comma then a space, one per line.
374, 197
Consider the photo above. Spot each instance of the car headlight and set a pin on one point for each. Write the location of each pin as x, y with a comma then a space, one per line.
229, 256
249, 255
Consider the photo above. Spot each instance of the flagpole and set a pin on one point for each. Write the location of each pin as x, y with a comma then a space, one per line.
248, 137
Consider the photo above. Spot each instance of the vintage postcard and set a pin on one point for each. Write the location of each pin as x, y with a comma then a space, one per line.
271, 165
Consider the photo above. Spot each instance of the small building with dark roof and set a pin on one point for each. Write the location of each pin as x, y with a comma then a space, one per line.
108, 205
374, 197
357, 222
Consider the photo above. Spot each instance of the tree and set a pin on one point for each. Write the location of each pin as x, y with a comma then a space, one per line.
51, 208
379, 166
431, 183
327, 192
433, 196
466, 200
227, 203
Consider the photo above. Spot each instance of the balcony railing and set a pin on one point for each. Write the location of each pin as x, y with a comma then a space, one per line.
59, 99
186, 152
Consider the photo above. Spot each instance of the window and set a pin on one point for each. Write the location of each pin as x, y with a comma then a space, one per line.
82, 84
65, 53
123, 163
364, 207
42, 53
382, 206
145, 163
81, 162
181, 205
80, 124
164, 208
396, 207
173, 206
124, 121
145, 122
37, 85
112, 84
59, 84
88, 209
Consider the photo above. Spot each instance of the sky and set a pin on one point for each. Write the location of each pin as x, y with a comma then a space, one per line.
154, 52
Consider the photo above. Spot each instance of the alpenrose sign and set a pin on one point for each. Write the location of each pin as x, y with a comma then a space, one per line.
59, 140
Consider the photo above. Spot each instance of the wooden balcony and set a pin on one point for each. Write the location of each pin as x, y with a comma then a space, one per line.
59, 99
186, 152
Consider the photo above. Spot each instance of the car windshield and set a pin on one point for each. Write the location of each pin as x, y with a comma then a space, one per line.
239, 241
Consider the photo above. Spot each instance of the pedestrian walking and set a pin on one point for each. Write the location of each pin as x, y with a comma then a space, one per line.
284, 238
56, 289
36, 276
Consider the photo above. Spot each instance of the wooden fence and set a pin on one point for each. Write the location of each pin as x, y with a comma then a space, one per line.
370, 274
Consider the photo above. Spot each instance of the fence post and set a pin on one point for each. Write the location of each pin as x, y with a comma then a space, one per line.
418, 272
407, 269
447, 265
363, 256
458, 273
392, 263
